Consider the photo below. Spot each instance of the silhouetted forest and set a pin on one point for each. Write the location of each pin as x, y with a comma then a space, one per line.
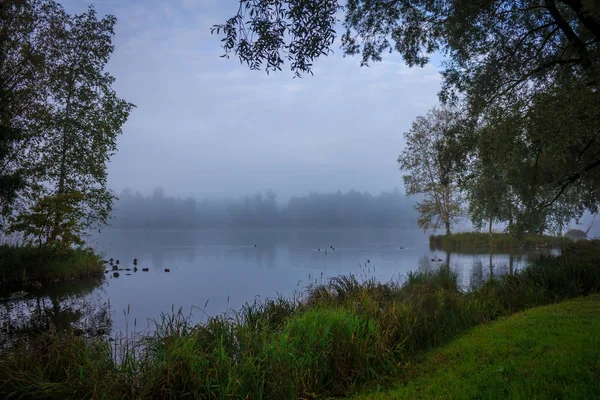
336, 210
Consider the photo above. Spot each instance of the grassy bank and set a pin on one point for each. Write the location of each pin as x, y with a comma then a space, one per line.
22, 266
468, 241
339, 336
550, 352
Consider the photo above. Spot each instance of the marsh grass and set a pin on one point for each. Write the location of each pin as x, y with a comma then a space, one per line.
477, 241
341, 334
22, 265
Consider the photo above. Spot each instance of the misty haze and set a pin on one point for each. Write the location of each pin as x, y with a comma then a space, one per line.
299, 199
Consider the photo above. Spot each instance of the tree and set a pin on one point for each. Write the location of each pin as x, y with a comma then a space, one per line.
534, 63
59, 117
87, 116
525, 167
11, 180
27, 32
431, 172
263, 32
488, 191
53, 220
494, 48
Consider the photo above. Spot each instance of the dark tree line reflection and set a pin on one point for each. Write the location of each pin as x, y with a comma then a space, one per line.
474, 270
67, 308
213, 263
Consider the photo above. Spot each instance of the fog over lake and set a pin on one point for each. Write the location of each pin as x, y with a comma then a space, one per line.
213, 270
224, 268
246, 185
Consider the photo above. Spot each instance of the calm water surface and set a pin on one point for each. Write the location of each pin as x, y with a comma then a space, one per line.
213, 270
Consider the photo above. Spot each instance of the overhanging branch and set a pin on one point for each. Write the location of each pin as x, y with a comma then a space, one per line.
570, 180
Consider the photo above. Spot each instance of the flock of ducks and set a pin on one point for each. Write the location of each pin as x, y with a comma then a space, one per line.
114, 264
330, 248
114, 268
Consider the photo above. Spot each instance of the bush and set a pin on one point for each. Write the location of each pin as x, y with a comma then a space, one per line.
476, 241
576, 234
23, 265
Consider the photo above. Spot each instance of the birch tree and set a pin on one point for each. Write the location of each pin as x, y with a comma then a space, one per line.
430, 170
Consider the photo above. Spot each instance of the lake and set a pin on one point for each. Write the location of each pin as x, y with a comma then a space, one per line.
214, 270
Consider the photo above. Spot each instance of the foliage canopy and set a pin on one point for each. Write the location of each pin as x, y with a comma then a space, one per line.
526, 73
59, 117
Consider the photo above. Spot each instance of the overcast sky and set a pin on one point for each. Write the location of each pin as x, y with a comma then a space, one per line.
205, 126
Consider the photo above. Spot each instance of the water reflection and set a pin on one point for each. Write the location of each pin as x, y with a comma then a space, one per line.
73, 307
491, 266
227, 268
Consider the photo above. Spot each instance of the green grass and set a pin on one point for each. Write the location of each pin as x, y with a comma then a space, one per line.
473, 241
340, 335
21, 266
550, 352
321, 351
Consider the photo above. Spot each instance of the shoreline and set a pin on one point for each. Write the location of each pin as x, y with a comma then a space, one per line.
33, 268
496, 241
339, 336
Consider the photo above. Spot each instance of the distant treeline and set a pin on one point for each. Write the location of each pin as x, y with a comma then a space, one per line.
351, 209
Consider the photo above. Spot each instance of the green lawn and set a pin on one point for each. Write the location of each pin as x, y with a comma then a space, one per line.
550, 352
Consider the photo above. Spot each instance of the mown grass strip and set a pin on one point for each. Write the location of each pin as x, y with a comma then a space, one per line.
550, 352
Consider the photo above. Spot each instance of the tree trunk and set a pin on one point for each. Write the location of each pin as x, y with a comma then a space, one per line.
510, 215
63, 155
446, 208
542, 227
490, 227
585, 17
590, 227
63, 164
575, 41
